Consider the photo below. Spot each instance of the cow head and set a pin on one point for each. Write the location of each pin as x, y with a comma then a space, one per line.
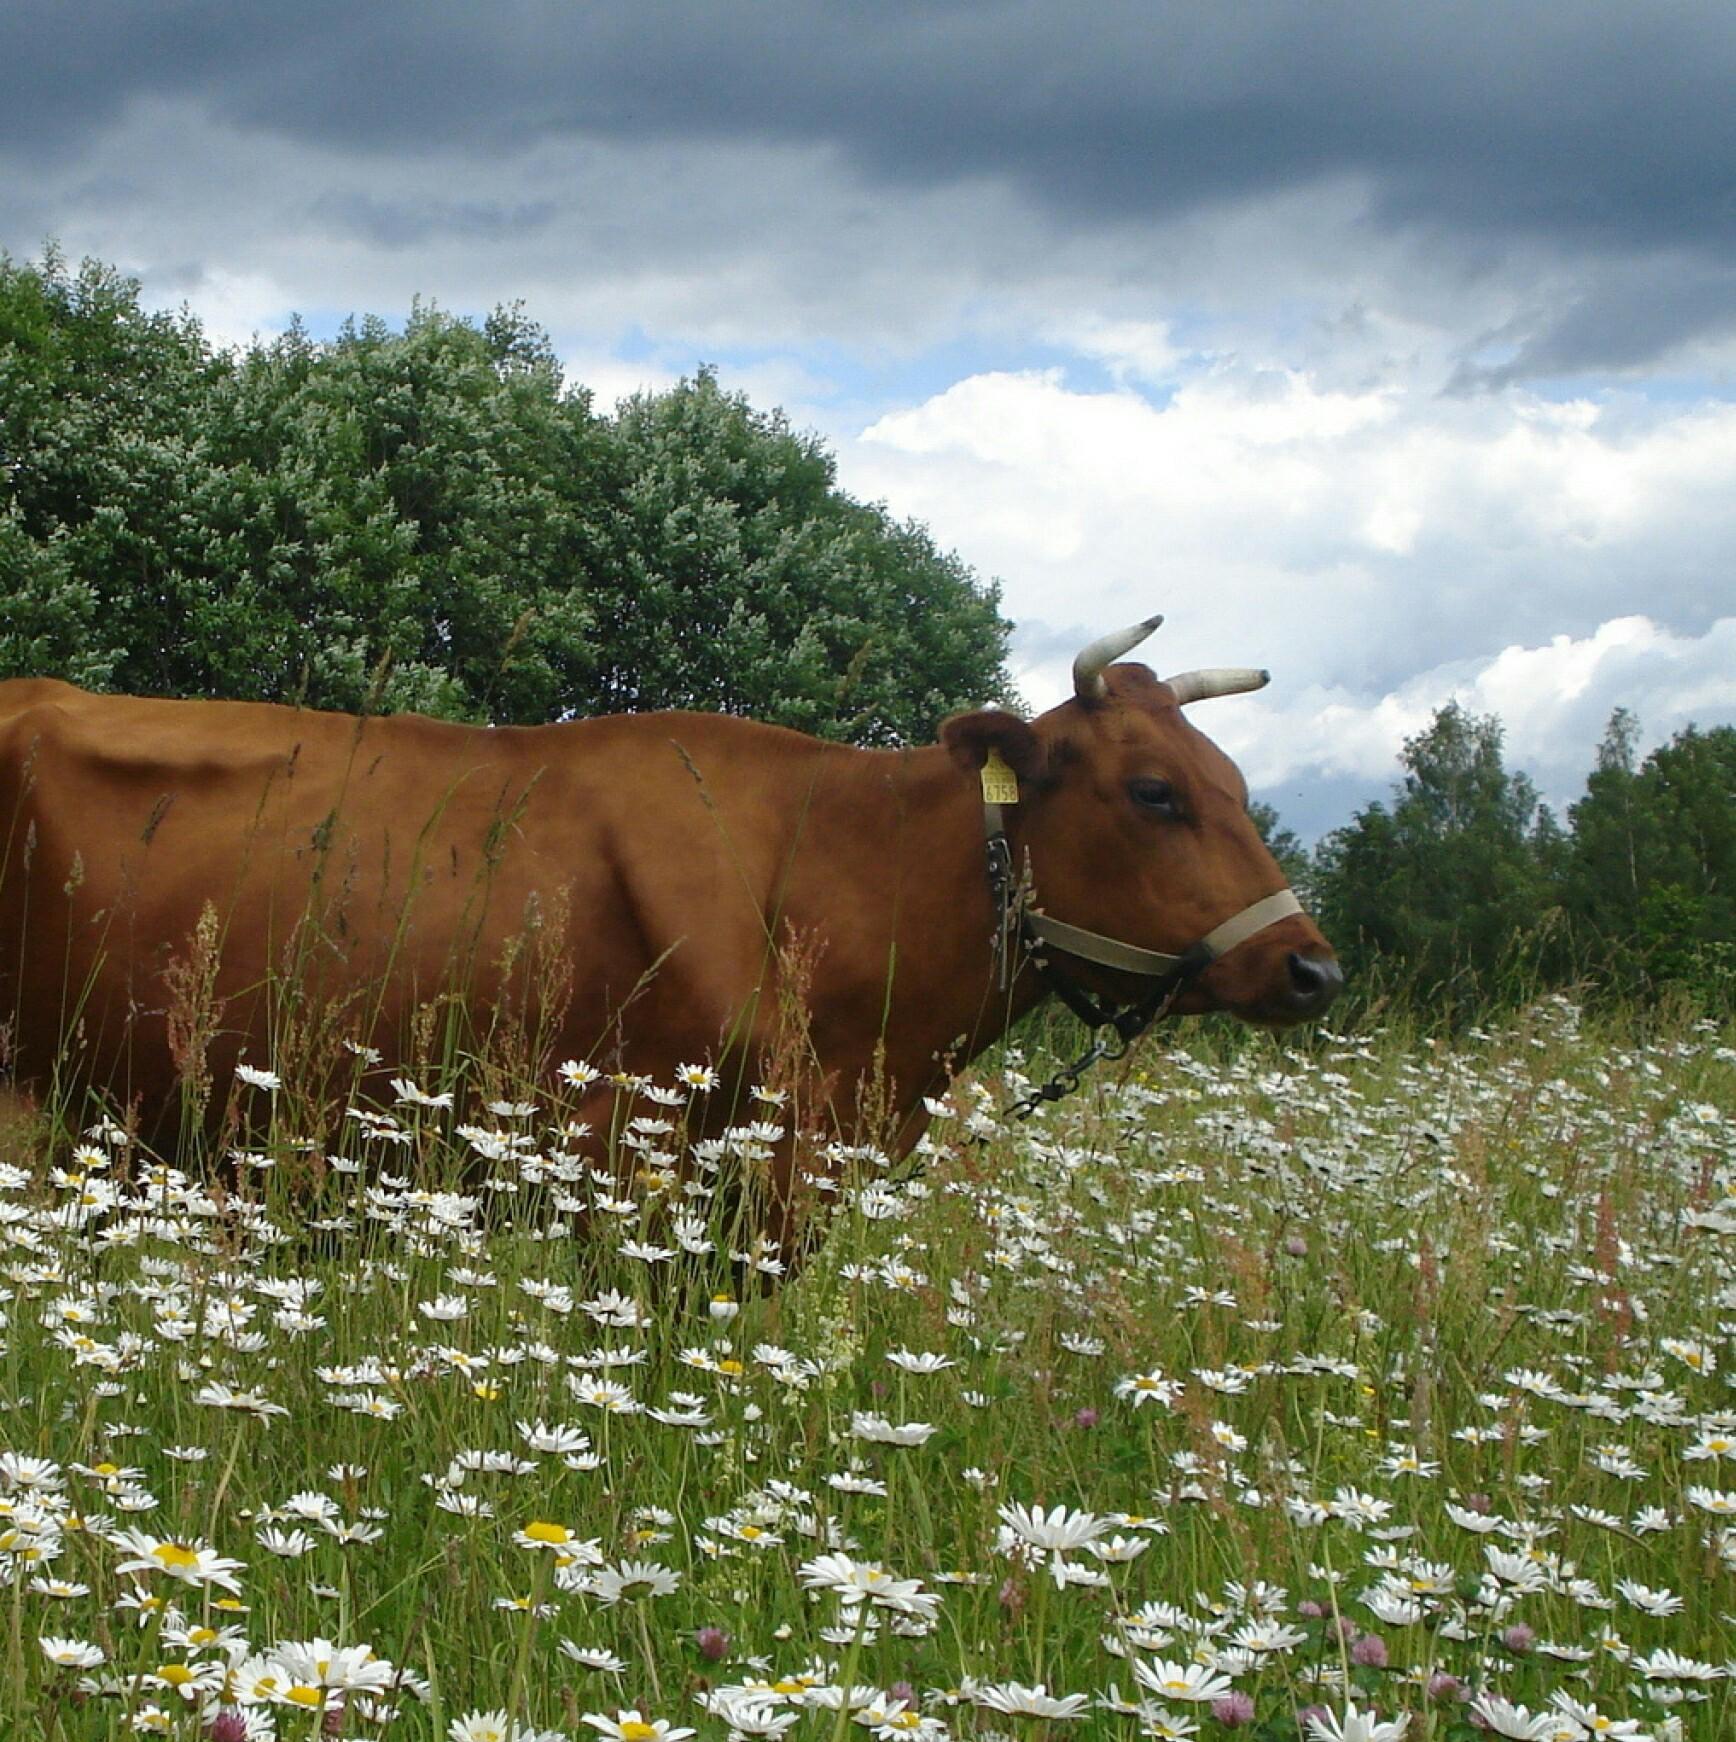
1136, 827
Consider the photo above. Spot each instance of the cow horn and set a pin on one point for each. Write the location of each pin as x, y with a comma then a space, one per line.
1216, 680
1088, 682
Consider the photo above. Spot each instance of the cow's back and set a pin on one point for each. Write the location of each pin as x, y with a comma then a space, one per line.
377, 864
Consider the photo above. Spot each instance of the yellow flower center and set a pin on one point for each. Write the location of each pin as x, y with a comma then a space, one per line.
636, 1731
304, 1696
174, 1554
730, 1366
177, 1675
553, 1534
752, 1532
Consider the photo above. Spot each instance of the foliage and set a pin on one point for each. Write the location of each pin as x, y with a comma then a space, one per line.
1286, 846
1448, 879
1651, 867
1464, 891
751, 584
432, 519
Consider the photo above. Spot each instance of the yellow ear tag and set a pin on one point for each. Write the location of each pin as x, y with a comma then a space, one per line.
1000, 784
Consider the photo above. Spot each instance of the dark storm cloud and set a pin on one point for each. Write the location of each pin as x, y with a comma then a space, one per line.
410, 223
1602, 126
1629, 315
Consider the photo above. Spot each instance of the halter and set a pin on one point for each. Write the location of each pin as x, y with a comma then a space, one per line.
1022, 927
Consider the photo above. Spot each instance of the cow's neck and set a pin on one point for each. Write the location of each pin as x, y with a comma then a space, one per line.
917, 871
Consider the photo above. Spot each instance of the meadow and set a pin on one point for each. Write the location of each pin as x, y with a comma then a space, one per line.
1346, 1386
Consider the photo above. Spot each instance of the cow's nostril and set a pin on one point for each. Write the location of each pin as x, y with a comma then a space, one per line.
1314, 981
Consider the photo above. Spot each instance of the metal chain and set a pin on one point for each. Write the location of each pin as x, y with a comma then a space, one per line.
1123, 1029
1113, 1031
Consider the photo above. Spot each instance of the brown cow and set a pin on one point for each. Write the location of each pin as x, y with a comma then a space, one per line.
378, 859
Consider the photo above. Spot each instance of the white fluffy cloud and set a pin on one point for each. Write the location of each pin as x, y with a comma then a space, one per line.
1554, 700
1381, 549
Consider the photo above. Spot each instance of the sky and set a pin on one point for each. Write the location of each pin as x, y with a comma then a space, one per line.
1390, 347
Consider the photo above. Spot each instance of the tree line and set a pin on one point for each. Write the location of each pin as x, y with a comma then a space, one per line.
1464, 891
434, 519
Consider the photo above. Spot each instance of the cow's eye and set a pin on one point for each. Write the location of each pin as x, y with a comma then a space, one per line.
1154, 795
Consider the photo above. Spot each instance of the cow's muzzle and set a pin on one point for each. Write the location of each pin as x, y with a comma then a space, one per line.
1314, 982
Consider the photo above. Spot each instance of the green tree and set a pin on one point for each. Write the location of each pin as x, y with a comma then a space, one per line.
432, 519
1285, 845
750, 583
428, 498
1446, 885
1650, 874
99, 413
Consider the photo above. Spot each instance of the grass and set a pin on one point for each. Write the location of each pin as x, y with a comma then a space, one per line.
1367, 1368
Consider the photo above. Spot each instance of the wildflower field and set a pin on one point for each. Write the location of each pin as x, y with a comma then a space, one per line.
1343, 1386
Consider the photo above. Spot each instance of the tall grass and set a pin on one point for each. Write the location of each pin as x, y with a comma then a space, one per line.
1410, 1352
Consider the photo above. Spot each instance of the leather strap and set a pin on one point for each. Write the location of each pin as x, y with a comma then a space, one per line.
1018, 924
1107, 952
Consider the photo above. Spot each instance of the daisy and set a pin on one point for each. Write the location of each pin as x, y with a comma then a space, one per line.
290, 1545
868, 1426
1503, 1718
751, 1715
71, 1653
540, 1437
1181, 1681
854, 1582
1713, 1500
924, 1362
540, 1534
593, 1657
1018, 1701
1592, 1722
631, 1727
630, 1582
320, 1663
1153, 1387
609, 1395
1057, 1529
1356, 1726
1642, 1597
489, 1727
193, 1563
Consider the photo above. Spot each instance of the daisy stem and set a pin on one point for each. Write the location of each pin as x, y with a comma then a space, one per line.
521, 1669
650, 1655
147, 1657
15, 1637
1042, 1621
223, 1481
842, 1727
1332, 1597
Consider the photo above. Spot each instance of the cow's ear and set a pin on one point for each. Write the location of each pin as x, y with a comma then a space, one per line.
970, 737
